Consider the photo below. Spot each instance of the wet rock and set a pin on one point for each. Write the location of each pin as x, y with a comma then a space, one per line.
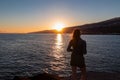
43, 76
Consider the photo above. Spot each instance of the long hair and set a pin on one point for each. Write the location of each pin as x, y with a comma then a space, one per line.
76, 34
76, 37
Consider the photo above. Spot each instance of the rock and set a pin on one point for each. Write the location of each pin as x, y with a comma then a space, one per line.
98, 76
43, 76
90, 76
21, 78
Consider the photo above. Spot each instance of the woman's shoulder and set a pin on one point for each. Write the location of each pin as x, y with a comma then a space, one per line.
83, 41
71, 41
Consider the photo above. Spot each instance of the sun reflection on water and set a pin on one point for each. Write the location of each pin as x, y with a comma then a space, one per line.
57, 63
58, 46
58, 41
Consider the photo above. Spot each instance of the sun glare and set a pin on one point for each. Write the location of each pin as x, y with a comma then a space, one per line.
59, 26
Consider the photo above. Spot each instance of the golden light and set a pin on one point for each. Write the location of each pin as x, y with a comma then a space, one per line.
58, 46
57, 53
59, 26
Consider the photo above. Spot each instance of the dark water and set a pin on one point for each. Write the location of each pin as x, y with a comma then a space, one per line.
30, 54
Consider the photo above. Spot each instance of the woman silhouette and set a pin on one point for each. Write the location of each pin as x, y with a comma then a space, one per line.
78, 48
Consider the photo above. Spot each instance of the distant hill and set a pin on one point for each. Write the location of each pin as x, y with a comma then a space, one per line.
111, 26
45, 31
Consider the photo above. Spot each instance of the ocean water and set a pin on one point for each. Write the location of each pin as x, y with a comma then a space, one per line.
30, 54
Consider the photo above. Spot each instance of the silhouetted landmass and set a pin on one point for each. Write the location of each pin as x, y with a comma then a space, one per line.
111, 26
45, 31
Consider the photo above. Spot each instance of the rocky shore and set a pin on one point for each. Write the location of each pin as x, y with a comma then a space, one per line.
90, 76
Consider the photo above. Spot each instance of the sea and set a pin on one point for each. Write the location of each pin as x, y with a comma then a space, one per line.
31, 54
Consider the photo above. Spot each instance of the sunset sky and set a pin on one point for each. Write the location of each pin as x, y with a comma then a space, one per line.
22, 16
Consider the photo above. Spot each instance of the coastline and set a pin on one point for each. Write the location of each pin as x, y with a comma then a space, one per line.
98, 76
90, 76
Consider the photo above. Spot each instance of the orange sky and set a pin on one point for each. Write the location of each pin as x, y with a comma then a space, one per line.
23, 16
16, 26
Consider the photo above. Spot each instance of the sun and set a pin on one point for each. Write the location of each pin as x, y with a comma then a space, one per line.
59, 26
